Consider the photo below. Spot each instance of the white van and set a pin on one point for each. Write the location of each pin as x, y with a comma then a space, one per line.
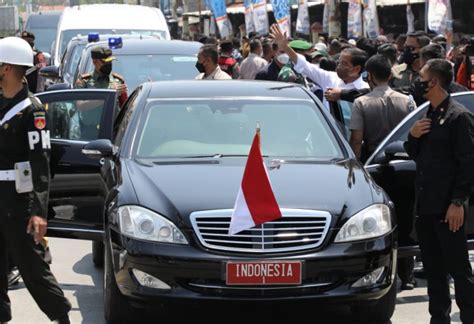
107, 19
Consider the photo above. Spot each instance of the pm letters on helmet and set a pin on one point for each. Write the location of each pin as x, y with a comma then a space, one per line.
35, 137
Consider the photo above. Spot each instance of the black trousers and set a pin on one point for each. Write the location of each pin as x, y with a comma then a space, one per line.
35, 271
445, 253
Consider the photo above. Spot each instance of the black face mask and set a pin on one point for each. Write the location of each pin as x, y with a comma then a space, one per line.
106, 69
308, 58
409, 57
200, 67
420, 88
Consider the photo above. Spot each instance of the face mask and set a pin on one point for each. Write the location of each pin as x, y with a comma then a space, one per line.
200, 67
283, 59
106, 69
308, 58
409, 57
420, 88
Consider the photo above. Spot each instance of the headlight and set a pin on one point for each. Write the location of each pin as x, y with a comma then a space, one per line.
371, 222
144, 224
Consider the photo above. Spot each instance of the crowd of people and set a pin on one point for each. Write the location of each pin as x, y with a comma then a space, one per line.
386, 81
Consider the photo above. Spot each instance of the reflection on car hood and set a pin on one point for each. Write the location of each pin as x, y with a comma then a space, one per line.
177, 189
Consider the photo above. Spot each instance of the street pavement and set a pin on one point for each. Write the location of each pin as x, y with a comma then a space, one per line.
82, 284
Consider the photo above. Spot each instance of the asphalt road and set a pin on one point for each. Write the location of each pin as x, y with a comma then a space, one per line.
82, 283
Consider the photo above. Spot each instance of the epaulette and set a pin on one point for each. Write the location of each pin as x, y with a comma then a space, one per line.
118, 76
86, 75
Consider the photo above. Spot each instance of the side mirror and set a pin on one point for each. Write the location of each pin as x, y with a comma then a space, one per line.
50, 72
396, 151
393, 151
98, 149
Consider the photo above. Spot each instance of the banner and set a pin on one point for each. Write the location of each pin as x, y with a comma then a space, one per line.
440, 19
249, 26
354, 19
218, 8
410, 20
260, 16
302, 21
334, 20
326, 17
371, 20
281, 11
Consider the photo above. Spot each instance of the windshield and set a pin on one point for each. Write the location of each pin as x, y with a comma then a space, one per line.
71, 62
67, 35
289, 129
137, 69
44, 37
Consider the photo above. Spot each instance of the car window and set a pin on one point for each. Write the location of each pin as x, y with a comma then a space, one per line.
346, 108
73, 62
75, 119
294, 129
124, 117
44, 37
67, 35
140, 68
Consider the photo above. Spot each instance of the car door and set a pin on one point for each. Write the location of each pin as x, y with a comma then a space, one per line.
394, 171
77, 191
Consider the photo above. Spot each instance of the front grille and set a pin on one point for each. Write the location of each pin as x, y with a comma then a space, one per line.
298, 229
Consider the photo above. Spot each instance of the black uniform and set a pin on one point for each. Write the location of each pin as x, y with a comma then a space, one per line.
445, 160
25, 137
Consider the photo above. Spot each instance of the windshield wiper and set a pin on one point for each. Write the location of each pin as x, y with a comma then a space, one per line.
217, 156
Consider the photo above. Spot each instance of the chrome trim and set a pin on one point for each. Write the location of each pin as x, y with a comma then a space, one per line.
323, 284
67, 229
261, 239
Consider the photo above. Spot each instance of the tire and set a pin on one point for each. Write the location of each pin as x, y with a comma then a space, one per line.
116, 308
98, 253
378, 311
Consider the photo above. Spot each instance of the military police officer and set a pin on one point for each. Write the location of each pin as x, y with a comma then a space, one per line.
24, 185
103, 77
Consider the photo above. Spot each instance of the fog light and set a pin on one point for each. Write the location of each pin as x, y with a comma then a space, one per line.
369, 279
149, 281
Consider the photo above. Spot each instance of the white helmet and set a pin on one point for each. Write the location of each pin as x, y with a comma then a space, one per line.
15, 51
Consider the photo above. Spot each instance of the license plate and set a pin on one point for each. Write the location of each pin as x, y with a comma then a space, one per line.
263, 273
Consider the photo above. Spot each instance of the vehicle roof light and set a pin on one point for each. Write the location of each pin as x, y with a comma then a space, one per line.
93, 37
115, 42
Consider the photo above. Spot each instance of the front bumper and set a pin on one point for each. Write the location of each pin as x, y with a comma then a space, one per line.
195, 274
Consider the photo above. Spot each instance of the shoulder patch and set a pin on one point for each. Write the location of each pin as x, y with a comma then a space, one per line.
118, 76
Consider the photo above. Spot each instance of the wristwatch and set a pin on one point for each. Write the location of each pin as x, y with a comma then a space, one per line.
458, 202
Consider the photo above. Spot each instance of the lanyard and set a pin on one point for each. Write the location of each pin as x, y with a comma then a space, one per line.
15, 110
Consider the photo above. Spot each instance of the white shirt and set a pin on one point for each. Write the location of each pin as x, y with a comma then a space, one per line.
251, 65
326, 79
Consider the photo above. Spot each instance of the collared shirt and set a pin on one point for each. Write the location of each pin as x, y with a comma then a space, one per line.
377, 113
325, 79
251, 65
218, 74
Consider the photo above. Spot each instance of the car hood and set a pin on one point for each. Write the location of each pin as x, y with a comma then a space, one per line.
177, 189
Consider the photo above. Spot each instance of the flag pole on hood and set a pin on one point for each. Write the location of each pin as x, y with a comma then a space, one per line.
256, 202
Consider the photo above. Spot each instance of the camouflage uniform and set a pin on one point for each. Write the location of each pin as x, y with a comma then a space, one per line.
96, 81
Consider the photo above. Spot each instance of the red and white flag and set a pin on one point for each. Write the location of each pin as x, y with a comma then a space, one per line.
256, 203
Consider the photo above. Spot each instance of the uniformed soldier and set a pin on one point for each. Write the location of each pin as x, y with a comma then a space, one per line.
103, 77
442, 145
24, 185
35, 81
406, 73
